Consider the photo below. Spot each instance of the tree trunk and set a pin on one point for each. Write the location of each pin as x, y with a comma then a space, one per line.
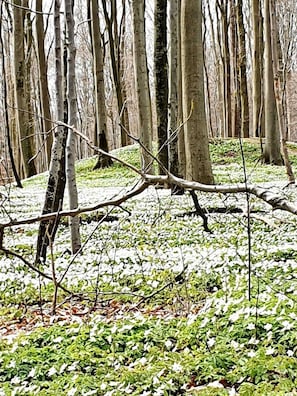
226, 86
236, 102
44, 92
57, 177
161, 80
272, 153
244, 100
115, 57
71, 139
21, 87
198, 165
257, 59
279, 90
5, 102
98, 70
142, 82
174, 69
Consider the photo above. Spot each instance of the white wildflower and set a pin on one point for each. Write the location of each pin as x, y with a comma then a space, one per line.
58, 339
72, 392
32, 372
15, 380
51, 371
269, 351
234, 344
290, 352
168, 344
177, 368
234, 317
103, 386
287, 325
211, 342
155, 380
143, 361
253, 341
12, 364
268, 326
251, 354
62, 368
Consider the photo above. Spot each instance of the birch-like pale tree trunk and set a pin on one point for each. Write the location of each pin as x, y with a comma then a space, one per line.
71, 138
57, 178
198, 165
142, 81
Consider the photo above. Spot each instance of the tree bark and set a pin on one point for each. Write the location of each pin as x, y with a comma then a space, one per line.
272, 153
257, 70
43, 82
98, 71
21, 86
116, 61
198, 165
279, 90
5, 109
174, 71
161, 80
71, 139
245, 119
142, 82
54, 195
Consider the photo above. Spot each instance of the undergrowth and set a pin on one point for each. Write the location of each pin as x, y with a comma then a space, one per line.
158, 305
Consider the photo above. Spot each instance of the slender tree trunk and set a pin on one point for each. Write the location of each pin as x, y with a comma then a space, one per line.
223, 7
5, 108
236, 102
279, 89
272, 153
198, 165
115, 57
257, 59
21, 87
44, 97
98, 70
174, 66
57, 177
245, 119
161, 79
72, 119
142, 82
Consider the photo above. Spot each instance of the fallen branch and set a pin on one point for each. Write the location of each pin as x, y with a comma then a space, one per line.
76, 212
275, 201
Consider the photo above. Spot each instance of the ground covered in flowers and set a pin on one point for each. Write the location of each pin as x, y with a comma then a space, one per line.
155, 305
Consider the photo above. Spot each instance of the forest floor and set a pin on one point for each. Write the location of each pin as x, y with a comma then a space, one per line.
155, 305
